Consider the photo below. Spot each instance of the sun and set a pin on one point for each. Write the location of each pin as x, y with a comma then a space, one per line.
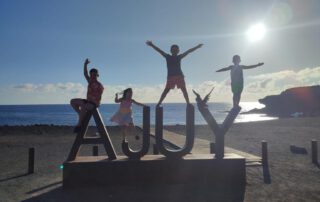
256, 32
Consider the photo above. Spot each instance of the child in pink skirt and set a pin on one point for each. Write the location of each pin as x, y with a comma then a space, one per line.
124, 115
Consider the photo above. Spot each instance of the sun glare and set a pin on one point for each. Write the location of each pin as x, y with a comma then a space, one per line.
256, 32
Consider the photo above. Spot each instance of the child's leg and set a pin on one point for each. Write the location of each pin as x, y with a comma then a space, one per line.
83, 111
124, 132
185, 94
236, 99
76, 104
163, 95
79, 106
182, 85
131, 127
133, 131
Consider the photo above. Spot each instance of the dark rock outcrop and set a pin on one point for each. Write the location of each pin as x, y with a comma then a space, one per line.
300, 100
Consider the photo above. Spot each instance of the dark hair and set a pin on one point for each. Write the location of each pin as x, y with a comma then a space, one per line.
93, 70
125, 92
174, 46
235, 57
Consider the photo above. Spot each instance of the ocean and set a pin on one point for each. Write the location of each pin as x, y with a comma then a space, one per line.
173, 113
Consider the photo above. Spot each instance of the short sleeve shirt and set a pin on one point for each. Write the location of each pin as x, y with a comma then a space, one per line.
95, 90
174, 65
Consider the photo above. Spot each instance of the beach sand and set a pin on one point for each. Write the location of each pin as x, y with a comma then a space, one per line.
293, 176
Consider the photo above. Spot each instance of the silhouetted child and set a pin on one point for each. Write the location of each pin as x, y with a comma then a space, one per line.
236, 74
175, 76
124, 115
94, 93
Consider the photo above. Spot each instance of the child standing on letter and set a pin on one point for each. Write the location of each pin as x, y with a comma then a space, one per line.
236, 74
124, 115
175, 76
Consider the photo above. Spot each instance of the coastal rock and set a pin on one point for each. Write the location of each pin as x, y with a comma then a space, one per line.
304, 101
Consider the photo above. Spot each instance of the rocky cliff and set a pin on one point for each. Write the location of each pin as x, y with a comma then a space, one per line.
301, 100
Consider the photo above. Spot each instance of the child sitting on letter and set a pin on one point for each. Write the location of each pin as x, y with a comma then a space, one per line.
94, 93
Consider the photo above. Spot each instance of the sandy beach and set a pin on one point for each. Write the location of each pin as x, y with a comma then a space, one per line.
293, 176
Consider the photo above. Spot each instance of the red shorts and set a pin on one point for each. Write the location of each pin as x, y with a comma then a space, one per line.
174, 81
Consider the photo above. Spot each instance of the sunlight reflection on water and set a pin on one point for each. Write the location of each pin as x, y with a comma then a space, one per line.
247, 106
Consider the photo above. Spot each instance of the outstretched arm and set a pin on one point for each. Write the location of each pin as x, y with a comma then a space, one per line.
85, 70
252, 66
138, 103
149, 43
191, 50
224, 69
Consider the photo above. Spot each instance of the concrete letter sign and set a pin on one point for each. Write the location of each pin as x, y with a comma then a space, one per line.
219, 131
146, 138
189, 134
103, 139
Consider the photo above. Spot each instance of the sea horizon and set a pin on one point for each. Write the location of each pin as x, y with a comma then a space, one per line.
63, 114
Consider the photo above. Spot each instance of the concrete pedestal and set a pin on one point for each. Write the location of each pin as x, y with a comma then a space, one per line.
193, 169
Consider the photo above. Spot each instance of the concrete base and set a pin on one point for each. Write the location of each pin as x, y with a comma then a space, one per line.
193, 169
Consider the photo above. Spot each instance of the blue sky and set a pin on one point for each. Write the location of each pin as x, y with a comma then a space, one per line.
44, 44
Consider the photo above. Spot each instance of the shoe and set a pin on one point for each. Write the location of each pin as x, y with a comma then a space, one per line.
137, 137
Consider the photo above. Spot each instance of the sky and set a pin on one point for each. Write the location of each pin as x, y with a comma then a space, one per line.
43, 45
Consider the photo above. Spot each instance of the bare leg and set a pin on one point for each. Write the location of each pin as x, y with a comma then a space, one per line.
163, 95
236, 99
80, 107
124, 132
82, 114
131, 127
185, 94
132, 131
76, 104
84, 109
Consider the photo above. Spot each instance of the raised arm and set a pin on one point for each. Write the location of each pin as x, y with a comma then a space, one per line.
85, 70
224, 69
116, 99
191, 50
252, 66
149, 43
138, 103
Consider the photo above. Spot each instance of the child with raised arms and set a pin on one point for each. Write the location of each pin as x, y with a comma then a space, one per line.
175, 75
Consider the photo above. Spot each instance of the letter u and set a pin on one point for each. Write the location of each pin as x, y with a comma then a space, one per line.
145, 141
169, 153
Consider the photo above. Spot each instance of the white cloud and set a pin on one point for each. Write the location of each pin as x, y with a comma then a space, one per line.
25, 87
274, 83
256, 87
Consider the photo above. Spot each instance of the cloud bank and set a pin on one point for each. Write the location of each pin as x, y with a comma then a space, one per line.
256, 87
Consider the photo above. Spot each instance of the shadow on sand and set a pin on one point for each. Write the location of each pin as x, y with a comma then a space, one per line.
14, 177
